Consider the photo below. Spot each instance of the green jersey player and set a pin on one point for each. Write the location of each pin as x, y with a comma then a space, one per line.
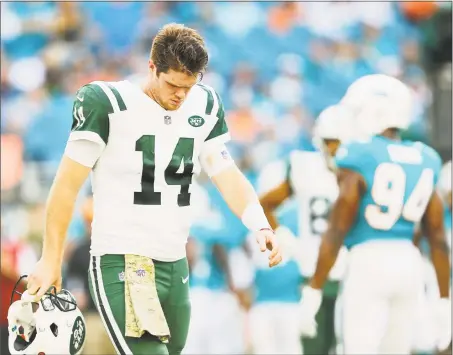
143, 145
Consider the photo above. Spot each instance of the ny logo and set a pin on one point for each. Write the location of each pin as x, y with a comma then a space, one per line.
167, 120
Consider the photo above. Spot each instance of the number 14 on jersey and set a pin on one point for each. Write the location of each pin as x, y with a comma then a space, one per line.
183, 153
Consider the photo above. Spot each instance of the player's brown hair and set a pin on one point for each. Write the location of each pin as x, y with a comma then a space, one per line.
179, 48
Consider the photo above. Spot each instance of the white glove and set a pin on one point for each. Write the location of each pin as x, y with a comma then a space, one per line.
442, 314
287, 241
309, 307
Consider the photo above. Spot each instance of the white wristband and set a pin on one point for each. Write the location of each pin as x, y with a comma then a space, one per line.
254, 218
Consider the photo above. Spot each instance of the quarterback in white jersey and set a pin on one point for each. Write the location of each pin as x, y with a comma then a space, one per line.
143, 145
312, 181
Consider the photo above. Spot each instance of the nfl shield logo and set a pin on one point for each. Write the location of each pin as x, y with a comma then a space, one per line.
167, 120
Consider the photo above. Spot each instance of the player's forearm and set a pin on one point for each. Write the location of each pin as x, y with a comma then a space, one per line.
236, 190
60, 206
59, 211
441, 263
241, 198
328, 253
274, 198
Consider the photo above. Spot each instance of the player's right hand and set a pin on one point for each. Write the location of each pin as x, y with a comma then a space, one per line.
47, 273
309, 307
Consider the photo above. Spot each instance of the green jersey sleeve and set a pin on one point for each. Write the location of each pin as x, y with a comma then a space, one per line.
90, 114
219, 133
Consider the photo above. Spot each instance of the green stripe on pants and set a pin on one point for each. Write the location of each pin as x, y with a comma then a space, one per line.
108, 289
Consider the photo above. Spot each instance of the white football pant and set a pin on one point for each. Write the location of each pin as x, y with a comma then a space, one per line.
216, 323
274, 328
380, 297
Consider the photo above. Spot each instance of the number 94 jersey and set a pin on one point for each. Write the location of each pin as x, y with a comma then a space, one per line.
400, 178
142, 181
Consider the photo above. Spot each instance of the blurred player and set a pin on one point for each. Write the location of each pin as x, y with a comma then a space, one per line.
143, 145
312, 182
212, 290
273, 317
387, 186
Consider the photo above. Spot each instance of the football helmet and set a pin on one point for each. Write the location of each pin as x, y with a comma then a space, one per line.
52, 325
334, 123
379, 102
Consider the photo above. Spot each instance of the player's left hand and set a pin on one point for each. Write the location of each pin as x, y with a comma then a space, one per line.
267, 241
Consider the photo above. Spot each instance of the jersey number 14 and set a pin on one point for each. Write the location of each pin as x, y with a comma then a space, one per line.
182, 153
388, 193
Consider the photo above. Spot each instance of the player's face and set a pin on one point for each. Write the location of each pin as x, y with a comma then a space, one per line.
171, 88
331, 146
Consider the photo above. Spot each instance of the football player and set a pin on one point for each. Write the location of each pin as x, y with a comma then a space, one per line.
312, 181
386, 187
143, 145
275, 293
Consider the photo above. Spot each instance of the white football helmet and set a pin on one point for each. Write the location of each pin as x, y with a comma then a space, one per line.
379, 102
53, 325
444, 183
334, 123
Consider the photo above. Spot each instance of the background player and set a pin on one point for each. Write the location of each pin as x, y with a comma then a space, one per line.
386, 186
143, 145
311, 180
275, 293
212, 288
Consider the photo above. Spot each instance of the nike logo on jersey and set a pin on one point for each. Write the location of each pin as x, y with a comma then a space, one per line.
184, 280
80, 98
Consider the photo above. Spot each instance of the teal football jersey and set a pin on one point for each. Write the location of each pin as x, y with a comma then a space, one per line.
400, 178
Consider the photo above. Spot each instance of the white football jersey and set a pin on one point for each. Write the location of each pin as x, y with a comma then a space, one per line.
142, 180
316, 189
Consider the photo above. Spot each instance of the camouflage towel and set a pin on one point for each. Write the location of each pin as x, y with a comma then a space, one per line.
143, 308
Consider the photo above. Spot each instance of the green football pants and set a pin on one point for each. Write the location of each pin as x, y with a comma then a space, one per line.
107, 287
325, 339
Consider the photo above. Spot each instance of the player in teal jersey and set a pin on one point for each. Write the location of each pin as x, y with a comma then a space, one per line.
387, 187
274, 314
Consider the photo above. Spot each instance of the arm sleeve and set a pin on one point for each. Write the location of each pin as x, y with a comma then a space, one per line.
219, 133
215, 158
90, 115
84, 151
